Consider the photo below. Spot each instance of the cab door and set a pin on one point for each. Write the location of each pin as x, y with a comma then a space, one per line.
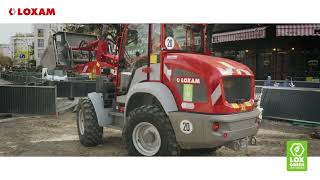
136, 57
154, 56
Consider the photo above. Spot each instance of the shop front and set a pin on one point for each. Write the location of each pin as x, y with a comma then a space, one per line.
279, 51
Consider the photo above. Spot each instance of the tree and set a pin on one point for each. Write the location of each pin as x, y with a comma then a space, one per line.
5, 61
94, 29
84, 28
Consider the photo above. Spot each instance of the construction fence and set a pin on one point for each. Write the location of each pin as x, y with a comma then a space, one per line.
74, 87
37, 96
284, 83
291, 104
21, 99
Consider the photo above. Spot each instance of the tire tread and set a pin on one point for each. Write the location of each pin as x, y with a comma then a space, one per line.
156, 116
93, 132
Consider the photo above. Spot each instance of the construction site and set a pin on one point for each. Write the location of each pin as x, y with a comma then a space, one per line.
155, 90
49, 136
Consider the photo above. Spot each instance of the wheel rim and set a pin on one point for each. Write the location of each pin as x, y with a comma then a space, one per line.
146, 139
81, 122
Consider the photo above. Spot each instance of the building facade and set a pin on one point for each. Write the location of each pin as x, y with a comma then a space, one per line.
41, 34
5, 50
280, 50
21, 46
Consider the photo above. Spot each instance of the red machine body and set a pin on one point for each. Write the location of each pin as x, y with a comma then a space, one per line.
208, 76
167, 92
207, 72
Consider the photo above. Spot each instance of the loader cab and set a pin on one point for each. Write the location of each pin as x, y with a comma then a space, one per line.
184, 38
146, 43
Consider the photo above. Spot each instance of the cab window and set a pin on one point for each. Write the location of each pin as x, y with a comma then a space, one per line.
136, 50
156, 38
184, 37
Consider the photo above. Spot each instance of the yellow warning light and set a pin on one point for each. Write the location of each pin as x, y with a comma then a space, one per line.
235, 105
248, 104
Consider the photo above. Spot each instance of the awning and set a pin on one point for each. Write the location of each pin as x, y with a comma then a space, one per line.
240, 35
298, 30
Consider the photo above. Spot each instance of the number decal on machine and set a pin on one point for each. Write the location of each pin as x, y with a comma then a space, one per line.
169, 42
186, 126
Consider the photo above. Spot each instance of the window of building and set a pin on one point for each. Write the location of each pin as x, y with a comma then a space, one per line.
40, 42
40, 53
40, 32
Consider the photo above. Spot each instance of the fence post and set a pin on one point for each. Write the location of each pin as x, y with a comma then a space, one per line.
71, 96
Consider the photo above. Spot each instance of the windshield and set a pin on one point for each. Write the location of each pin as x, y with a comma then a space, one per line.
185, 37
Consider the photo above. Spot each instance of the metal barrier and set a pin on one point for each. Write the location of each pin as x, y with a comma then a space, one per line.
73, 88
293, 104
305, 84
28, 99
258, 89
32, 78
77, 87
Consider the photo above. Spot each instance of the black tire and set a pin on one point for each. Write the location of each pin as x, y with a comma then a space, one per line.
154, 115
93, 133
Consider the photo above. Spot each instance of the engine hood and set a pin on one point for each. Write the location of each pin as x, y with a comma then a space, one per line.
209, 64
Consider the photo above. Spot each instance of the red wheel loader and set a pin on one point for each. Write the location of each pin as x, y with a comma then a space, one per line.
168, 94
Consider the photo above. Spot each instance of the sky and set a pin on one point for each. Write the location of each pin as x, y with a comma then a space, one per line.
7, 30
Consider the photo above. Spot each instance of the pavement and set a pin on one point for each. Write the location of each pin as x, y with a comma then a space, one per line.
50, 136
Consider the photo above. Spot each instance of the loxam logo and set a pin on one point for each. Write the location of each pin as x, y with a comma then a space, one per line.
32, 11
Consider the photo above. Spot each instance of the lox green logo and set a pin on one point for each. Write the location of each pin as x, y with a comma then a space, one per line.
297, 155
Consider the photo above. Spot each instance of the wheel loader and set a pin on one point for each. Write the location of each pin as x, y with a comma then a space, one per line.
167, 94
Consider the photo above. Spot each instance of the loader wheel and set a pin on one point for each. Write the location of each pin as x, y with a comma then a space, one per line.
90, 133
148, 132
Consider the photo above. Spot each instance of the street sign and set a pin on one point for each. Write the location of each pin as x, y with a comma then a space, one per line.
22, 56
